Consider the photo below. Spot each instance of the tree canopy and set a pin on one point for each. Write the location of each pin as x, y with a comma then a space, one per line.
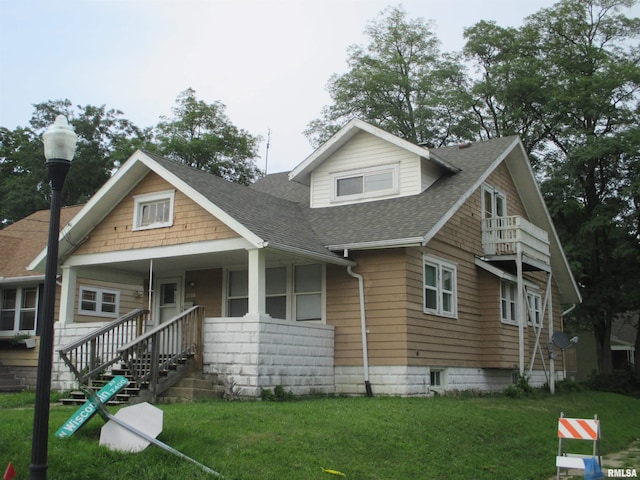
201, 135
198, 134
401, 82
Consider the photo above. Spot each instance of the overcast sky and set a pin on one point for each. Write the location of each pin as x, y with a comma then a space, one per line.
268, 61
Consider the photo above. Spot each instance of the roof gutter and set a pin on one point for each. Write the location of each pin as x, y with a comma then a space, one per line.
334, 259
21, 280
393, 243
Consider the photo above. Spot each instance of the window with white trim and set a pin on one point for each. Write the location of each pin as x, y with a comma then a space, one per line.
237, 293
508, 302
365, 183
291, 292
440, 296
99, 302
435, 377
18, 310
276, 292
153, 210
494, 202
308, 292
534, 303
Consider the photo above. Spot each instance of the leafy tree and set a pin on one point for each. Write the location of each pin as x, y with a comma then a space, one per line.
400, 82
104, 140
567, 82
23, 187
201, 135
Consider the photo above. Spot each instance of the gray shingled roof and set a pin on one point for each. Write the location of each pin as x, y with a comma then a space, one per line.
277, 210
275, 220
397, 218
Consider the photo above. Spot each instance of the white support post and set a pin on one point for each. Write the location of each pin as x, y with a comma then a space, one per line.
520, 308
67, 294
552, 362
257, 276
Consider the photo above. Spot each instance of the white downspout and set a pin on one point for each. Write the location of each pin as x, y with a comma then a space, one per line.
363, 329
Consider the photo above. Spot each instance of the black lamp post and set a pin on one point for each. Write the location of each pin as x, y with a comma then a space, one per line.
59, 147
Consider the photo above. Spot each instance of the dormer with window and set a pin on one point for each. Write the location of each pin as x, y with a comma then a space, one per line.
362, 163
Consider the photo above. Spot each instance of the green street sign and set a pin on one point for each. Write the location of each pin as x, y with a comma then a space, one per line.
86, 411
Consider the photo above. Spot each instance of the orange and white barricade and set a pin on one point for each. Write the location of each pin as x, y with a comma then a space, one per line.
577, 429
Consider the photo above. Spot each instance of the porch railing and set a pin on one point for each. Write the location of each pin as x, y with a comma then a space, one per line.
164, 348
503, 236
94, 353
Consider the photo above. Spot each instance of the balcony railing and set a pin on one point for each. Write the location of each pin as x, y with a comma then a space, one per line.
504, 235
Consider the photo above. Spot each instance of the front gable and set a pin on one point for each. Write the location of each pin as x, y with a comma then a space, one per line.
190, 223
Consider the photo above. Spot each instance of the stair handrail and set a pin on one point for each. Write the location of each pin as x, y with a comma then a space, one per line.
163, 347
93, 353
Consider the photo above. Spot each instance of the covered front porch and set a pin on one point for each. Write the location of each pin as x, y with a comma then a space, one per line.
263, 321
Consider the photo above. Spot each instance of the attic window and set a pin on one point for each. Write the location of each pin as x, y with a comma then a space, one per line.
372, 182
153, 210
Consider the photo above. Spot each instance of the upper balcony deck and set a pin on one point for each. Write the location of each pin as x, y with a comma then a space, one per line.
504, 237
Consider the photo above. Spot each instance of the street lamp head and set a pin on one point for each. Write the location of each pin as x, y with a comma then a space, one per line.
59, 140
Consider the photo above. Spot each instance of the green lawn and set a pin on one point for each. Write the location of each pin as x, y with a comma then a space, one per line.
365, 438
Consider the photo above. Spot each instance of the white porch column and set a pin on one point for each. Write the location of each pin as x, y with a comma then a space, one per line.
68, 294
257, 282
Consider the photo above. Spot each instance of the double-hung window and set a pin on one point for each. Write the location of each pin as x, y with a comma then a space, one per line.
18, 310
308, 292
99, 302
508, 302
237, 293
276, 292
291, 292
494, 202
440, 296
153, 210
534, 303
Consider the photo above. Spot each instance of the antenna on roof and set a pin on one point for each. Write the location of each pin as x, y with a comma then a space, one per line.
266, 156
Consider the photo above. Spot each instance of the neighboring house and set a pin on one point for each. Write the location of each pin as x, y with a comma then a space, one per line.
21, 291
375, 265
623, 337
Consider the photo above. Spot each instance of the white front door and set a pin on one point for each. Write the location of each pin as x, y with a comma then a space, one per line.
169, 298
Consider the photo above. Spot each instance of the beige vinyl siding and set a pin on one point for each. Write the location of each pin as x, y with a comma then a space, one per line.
362, 151
477, 337
385, 298
206, 291
191, 223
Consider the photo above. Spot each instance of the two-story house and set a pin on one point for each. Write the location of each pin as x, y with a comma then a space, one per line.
374, 266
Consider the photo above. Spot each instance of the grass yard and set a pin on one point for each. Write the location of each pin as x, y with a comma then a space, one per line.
365, 438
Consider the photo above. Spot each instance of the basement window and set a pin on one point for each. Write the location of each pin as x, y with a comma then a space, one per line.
153, 210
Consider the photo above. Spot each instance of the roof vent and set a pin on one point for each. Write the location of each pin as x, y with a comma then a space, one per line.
464, 145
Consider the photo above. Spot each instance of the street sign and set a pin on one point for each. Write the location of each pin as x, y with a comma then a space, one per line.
143, 417
86, 411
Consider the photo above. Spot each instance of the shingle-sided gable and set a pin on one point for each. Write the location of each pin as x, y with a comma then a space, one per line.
24, 239
279, 223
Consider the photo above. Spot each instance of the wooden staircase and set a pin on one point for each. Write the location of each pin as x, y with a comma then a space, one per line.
153, 361
9, 382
